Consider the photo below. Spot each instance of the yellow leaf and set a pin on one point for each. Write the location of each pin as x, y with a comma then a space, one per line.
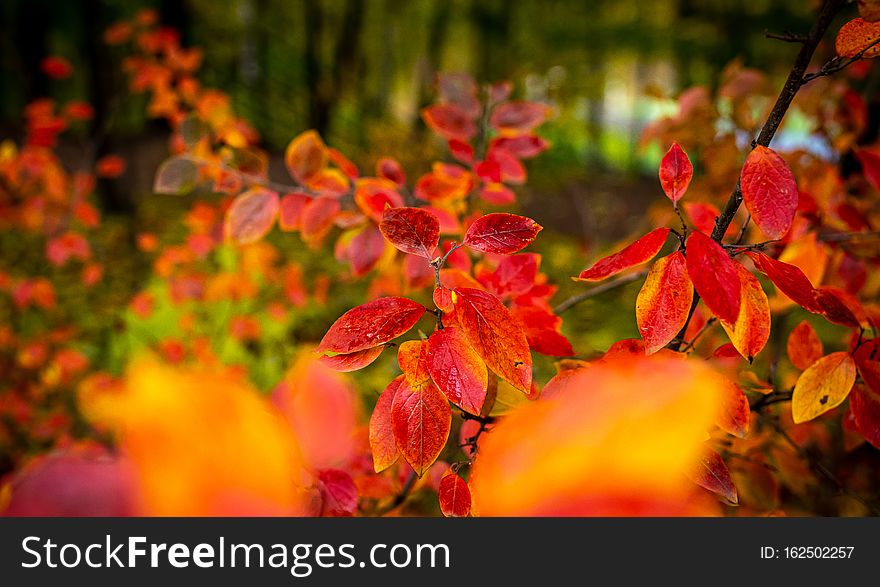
823, 386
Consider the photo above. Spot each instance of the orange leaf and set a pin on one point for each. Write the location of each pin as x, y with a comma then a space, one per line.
251, 215
855, 36
676, 172
495, 335
641, 251
501, 233
457, 369
823, 386
616, 440
412, 356
372, 195
420, 420
804, 347
735, 410
751, 330
454, 496
290, 211
370, 325
711, 473
769, 191
664, 302
317, 218
714, 275
306, 157
411, 230
789, 279
382, 443
352, 361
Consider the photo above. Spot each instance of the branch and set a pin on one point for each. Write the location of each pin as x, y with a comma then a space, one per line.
837, 64
786, 36
792, 84
599, 289
400, 497
846, 237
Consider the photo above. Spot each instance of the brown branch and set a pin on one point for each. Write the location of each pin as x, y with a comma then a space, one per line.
787, 36
599, 289
792, 84
845, 237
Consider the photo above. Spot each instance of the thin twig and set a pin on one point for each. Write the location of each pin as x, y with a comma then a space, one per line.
786, 36
837, 64
400, 497
599, 289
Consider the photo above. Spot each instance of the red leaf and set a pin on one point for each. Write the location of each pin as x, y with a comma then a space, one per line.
712, 474
501, 233
518, 117
804, 347
542, 329
454, 496
664, 302
317, 218
449, 121
412, 356
370, 325
251, 215
714, 275
365, 249
382, 442
411, 230
676, 172
522, 146
443, 298
457, 369
855, 36
110, 166
373, 196
639, 252
421, 421
769, 191
352, 361
865, 406
496, 336
391, 170
305, 157
789, 279
461, 150
702, 215
291, 210
870, 166
750, 331
56, 67
343, 163
840, 307
338, 492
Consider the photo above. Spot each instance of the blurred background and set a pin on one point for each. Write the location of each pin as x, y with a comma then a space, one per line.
359, 71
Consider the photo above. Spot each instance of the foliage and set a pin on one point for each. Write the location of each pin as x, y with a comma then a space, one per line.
691, 419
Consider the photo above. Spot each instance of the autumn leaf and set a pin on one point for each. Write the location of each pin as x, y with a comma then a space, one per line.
411, 230
177, 176
769, 191
823, 386
751, 330
412, 356
804, 347
370, 325
856, 36
317, 218
457, 369
712, 473
421, 421
641, 251
391, 170
869, 10
352, 361
735, 410
454, 496
789, 279
840, 307
251, 215
518, 117
495, 335
617, 440
664, 302
290, 211
305, 157
449, 121
501, 233
382, 442
676, 172
865, 406
715, 276
339, 495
